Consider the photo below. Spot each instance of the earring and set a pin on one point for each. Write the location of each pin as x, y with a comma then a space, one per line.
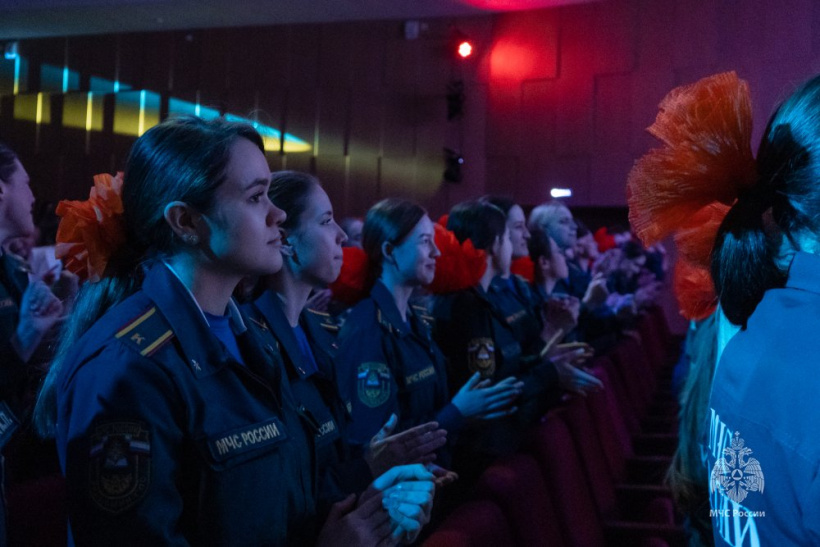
190, 239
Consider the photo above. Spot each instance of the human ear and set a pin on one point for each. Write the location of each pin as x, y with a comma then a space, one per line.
387, 253
495, 249
288, 249
183, 220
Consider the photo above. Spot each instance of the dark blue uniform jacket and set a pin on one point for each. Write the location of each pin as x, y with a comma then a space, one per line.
476, 336
166, 439
317, 394
390, 366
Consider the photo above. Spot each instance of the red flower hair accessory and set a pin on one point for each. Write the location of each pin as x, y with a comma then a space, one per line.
460, 265
349, 287
694, 290
687, 186
524, 267
90, 231
604, 239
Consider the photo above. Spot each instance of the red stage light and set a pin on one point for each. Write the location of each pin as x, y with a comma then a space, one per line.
465, 49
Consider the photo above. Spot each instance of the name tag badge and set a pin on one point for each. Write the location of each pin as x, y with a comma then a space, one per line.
8, 423
420, 376
327, 433
245, 439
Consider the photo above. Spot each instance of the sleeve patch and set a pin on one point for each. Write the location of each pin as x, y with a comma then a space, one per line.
119, 465
481, 356
373, 384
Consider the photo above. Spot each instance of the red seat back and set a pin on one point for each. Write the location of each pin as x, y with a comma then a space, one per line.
517, 485
474, 524
554, 449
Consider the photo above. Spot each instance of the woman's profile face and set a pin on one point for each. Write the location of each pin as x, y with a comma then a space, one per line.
519, 234
502, 251
563, 229
558, 262
243, 235
416, 255
16, 202
317, 241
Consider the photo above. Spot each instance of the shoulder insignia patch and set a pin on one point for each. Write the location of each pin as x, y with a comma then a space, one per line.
373, 383
329, 324
324, 320
481, 356
119, 465
261, 324
517, 316
146, 333
424, 316
384, 322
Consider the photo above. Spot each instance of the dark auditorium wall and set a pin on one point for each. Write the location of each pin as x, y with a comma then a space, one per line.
555, 97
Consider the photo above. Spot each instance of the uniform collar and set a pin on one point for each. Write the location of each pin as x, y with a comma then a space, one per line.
387, 313
479, 291
500, 284
176, 303
270, 307
804, 272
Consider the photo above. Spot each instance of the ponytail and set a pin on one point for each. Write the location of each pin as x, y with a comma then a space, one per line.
745, 256
91, 303
743, 260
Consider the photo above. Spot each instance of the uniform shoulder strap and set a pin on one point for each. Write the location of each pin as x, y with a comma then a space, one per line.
146, 333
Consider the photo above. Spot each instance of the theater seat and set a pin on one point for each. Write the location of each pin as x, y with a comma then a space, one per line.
478, 523
37, 513
517, 485
573, 497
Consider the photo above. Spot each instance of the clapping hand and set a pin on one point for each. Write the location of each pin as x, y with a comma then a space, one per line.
415, 445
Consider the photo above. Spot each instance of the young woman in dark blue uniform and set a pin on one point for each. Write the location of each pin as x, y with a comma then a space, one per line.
524, 312
387, 353
476, 336
171, 419
307, 340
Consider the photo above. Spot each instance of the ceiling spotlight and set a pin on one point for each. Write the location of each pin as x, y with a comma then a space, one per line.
465, 49
561, 192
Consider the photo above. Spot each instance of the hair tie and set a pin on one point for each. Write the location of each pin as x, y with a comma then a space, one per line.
91, 231
686, 187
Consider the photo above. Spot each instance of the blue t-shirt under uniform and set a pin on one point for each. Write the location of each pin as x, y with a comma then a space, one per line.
221, 328
762, 448
304, 347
